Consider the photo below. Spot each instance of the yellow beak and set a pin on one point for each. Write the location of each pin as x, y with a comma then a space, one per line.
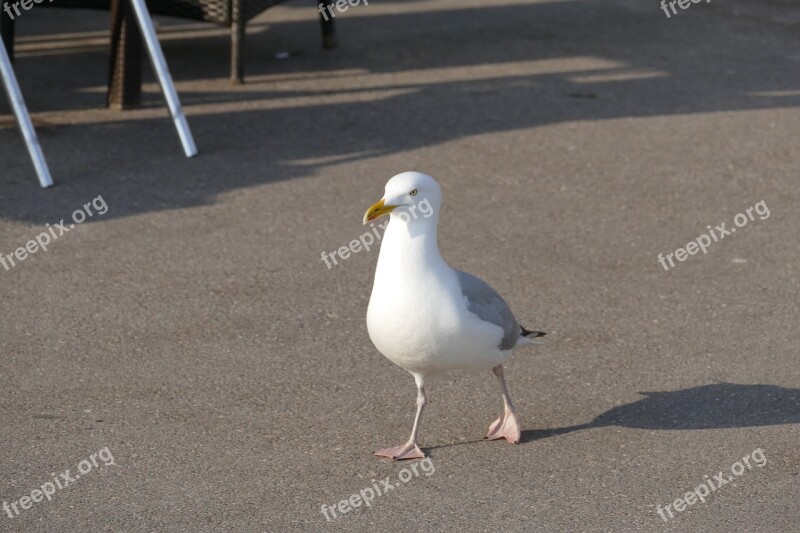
377, 211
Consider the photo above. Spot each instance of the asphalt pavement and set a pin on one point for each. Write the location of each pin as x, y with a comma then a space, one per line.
186, 354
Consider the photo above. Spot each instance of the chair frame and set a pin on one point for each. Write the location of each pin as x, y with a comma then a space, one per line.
23, 118
126, 67
156, 54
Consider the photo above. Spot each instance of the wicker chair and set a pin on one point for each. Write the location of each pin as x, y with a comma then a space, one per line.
232, 14
126, 48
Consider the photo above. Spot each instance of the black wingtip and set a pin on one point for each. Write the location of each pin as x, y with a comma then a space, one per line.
532, 334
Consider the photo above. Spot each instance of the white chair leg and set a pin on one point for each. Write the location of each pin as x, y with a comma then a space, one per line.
23, 118
164, 77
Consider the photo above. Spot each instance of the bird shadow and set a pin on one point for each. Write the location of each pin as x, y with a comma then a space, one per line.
714, 406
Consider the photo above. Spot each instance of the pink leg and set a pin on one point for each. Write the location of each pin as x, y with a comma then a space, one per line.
409, 450
507, 426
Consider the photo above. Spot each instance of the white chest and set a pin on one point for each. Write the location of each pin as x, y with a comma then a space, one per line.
418, 316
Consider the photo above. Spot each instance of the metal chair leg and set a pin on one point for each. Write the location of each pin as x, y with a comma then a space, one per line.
237, 42
164, 77
23, 118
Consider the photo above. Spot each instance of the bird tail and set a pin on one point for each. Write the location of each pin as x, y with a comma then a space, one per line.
530, 336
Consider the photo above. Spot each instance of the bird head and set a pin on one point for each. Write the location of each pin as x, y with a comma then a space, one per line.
408, 196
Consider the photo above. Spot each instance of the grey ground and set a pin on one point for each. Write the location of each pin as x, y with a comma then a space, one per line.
195, 331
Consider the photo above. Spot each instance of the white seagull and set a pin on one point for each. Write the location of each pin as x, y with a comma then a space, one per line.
429, 318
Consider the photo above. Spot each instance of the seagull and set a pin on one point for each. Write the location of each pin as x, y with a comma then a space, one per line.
429, 318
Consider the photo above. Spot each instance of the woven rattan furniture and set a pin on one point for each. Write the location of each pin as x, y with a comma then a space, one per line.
148, 31
126, 46
232, 14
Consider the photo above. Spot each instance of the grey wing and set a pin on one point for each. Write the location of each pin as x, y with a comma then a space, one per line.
484, 301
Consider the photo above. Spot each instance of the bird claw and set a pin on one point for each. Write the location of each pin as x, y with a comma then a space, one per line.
409, 450
505, 427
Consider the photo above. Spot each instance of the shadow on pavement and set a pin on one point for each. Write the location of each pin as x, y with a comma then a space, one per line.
422, 79
717, 406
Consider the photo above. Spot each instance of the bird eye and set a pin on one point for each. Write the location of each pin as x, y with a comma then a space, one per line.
413, 192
